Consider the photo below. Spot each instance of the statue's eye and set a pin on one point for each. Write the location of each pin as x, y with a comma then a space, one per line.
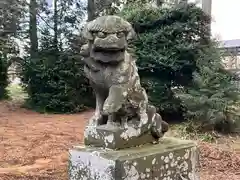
101, 34
94, 34
120, 34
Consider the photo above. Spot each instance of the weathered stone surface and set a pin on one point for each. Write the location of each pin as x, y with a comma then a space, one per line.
113, 137
172, 159
113, 75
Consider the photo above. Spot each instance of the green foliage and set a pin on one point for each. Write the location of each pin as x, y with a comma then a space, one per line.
168, 47
10, 14
16, 93
190, 130
57, 86
3, 78
181, 67
213, 98
55, 82
111, 7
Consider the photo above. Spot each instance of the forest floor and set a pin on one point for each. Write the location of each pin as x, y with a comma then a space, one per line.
35, 146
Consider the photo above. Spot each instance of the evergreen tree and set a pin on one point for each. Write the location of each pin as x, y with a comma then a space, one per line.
213, 99
167, 47
55, 81
10, 14
180, 65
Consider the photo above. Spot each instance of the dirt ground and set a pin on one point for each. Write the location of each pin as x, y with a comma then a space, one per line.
35, 147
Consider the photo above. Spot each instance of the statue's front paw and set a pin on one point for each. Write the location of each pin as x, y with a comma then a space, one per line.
108, 107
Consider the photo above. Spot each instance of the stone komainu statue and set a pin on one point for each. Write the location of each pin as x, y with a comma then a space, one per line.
121, 101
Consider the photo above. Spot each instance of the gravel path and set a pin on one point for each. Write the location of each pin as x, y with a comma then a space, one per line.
35, 146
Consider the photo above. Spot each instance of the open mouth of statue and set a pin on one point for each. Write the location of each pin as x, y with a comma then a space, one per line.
109, 50
108, 55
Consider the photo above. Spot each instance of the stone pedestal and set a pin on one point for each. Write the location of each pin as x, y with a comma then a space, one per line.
113, 137
171, 159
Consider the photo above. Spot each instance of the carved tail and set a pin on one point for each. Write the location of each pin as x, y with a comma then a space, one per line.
159, 127
165, 127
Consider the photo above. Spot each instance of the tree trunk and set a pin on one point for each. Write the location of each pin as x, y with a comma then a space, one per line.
159, 2
91, 10
55, 28
33, 29
207, 8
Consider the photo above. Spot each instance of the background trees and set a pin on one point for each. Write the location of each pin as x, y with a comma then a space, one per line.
54, 79
178, 63
10, 15
168, 47
181, 66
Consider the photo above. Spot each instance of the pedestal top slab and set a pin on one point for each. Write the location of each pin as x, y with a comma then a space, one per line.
171, 159
165, 145
113, 137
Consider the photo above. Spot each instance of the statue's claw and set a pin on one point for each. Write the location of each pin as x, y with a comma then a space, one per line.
115, 124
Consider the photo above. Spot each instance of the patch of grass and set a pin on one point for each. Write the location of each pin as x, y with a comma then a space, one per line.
187, 131
16, 93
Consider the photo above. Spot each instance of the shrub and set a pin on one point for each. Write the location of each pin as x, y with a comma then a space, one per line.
213, 100
3, 77
181, 66
55, 81
168, 47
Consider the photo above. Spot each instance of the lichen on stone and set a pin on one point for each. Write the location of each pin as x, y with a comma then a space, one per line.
130, 172
119, 94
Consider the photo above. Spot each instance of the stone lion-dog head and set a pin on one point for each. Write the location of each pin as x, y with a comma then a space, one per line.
108, 38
